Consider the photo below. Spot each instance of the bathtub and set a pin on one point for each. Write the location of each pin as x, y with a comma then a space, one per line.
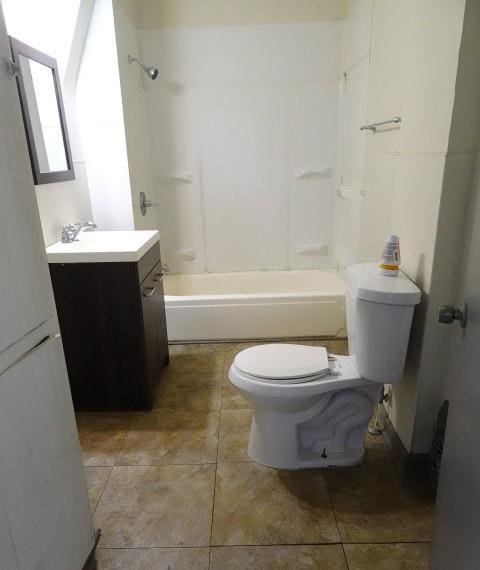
255, 305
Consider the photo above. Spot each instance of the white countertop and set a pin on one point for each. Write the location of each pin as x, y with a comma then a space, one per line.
98, 246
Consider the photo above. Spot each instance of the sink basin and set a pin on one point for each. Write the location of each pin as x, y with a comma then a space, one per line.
98, 246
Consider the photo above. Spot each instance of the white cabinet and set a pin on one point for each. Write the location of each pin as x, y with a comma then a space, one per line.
42, 486
25, 300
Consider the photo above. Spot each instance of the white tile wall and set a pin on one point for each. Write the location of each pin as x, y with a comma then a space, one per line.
430, 56
417, 184
377, 204
243, 111
386, 73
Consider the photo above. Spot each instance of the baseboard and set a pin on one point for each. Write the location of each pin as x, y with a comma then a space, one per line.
414, 465
300, 339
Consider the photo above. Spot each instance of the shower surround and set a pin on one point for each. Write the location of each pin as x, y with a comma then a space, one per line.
243, 124
239, 136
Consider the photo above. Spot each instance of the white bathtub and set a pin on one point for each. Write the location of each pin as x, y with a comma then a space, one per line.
255, 304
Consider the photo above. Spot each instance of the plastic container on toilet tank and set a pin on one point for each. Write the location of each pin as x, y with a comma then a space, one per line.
379, 317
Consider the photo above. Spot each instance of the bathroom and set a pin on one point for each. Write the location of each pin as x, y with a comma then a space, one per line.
237, 161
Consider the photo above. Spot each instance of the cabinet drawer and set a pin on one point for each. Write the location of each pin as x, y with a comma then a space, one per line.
148, 262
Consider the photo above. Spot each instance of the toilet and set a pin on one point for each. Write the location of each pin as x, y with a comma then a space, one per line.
311, 408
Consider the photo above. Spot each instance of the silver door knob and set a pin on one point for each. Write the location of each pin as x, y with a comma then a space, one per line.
448, 313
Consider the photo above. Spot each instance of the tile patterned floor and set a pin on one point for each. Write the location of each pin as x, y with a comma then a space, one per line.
175, 488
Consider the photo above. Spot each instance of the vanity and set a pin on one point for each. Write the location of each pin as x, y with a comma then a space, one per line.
108, 289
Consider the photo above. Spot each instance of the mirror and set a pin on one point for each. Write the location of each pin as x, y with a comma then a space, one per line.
43, 114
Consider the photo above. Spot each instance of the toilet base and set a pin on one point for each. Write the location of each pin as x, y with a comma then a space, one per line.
346, 458
330, 434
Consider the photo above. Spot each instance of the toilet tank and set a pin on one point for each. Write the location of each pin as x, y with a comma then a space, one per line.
379, 317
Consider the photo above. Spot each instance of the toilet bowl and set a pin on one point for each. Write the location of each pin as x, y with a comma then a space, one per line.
312, 409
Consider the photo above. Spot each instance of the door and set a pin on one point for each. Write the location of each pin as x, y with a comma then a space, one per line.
456, 541
43, 494
25, 297
7, 549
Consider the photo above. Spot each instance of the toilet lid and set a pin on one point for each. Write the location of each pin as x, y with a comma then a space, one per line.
283, 361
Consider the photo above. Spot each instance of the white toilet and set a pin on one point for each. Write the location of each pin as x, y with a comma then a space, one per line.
312, 409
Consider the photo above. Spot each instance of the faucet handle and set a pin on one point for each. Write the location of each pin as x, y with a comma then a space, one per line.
68, 233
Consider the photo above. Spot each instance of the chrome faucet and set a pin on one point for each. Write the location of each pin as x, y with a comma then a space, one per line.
71, 231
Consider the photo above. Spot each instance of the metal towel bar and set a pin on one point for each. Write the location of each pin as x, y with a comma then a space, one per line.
373, 126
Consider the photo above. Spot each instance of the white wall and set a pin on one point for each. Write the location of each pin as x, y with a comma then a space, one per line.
210, 13
239, 113
62, 202
416, 178
101, 124
132, 80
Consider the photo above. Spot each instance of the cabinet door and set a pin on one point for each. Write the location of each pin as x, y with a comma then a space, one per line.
155, 324
150, 294
160, 315
25, 297
42, 482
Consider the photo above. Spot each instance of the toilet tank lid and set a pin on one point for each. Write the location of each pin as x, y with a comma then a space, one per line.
364, 281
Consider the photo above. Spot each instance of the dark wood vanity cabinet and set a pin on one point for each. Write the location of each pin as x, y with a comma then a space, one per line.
112, 320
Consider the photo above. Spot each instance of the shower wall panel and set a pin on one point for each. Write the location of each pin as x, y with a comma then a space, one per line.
243, 132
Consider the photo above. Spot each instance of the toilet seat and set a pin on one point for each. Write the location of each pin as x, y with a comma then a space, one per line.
287, 363
343, 374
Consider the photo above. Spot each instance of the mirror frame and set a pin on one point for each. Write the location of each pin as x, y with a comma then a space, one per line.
19, 48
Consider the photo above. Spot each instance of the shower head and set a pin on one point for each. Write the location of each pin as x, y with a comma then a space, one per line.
152, 72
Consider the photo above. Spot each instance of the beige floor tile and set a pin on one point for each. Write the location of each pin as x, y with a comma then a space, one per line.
377, 448
96, 480
197, 358
101, 436
257, 505
373, 504
232, 399
231, 350
333, 346
167, 437
234, 434
388, 556
324, 557
152, 559
197, 348
189, 390
145, 507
